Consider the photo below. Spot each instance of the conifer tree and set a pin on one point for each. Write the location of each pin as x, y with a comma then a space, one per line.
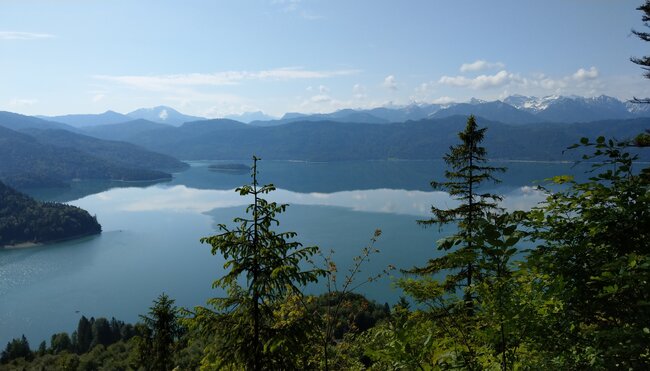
644, 61
165, 330
467, 172
244, 328
16, 348
84, 335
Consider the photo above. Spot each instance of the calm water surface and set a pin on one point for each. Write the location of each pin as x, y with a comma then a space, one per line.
150, 242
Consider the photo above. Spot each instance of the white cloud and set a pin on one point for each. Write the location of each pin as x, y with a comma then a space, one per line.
207, 104
15, 35
390, 82
22, 102
171, 82
321, 98
322, 103
323, 89
552, 84
443, 100
359, 92
98, 97
501, 78
224, 109
425, 87
583, 75
480, 65
584, 81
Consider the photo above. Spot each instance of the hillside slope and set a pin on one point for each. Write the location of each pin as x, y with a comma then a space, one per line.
23, 219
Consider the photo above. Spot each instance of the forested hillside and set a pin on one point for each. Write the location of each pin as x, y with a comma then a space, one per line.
23, 219
38, 156
28, 163
335, 141
120, 153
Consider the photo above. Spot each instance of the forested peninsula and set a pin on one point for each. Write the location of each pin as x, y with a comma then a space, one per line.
25, 220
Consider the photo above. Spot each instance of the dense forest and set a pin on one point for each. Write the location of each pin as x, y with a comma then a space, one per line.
23, 219
102, 344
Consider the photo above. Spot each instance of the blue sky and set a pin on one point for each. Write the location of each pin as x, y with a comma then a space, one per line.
214, 58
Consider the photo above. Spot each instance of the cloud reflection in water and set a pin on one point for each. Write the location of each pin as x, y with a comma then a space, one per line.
183, 199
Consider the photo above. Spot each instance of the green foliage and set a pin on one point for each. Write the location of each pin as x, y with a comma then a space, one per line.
644, 61
249, 327
643, 139
355, 313
16, 348
404, 342
61, 343
577, 300
341, 311
467, 171
164, 332
594, 247
23, 219
84, 335
101, 331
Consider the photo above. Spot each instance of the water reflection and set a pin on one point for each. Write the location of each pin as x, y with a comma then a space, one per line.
395, 201
331, 177
81, 189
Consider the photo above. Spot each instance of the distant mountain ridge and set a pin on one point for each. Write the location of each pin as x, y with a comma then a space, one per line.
36, 153
335, 141
86, 120
162, 115
248, 117
515, 109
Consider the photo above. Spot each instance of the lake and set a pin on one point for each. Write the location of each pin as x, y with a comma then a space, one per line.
150, 240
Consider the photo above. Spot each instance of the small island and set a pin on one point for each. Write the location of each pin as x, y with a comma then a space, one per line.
25, 221
230, 168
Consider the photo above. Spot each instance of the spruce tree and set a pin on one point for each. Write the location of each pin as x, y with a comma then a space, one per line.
84, 335
644, 61
165, 330
455, 308
257, 325
467, 172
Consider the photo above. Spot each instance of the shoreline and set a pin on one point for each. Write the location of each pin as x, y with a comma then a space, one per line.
395, 159
30, 244
22, 245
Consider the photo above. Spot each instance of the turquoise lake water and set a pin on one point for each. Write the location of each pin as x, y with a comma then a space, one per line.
150, 240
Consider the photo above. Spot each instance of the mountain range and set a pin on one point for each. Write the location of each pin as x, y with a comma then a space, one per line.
38, 152
222, 139
160, 114
515, 109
